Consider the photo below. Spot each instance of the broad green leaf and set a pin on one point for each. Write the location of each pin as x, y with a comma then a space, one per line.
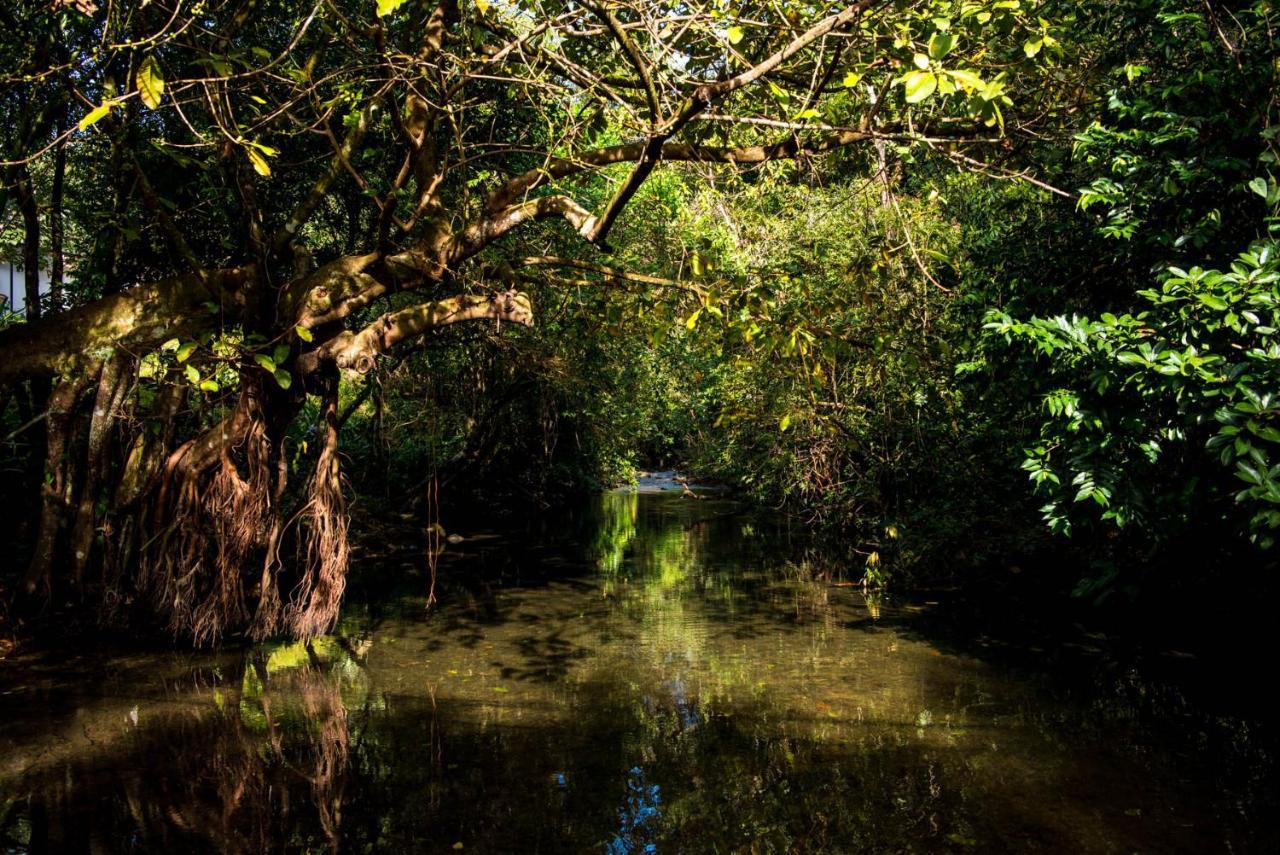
920, 85
209, 386
150, 83
184, 352
283, 378
920, 60
265, 362
483, 6
171, 344
967, 79
1031, 47
386, 7
940, 45
192, 374
735, 35
96, 114
1259, 186
784, 423
303, 333
851, 80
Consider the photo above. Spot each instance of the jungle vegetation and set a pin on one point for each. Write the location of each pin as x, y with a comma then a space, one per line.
962, 281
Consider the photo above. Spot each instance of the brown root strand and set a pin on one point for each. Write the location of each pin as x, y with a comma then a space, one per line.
57, 488
214, 530
323, 550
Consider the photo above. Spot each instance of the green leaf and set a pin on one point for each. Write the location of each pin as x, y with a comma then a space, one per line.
303, 333
150, 83
259, 162
96, 114
482, 5
280, 354
735, 35
967, 79
940, 45
693, 320
265, 362
184, 352
192, 374
209, 386
920, 85
171, 344
1031, 47
851, 80
784, 423
386, 7
283, 378
1259, 186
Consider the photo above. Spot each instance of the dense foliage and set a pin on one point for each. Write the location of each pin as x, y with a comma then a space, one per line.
872, 263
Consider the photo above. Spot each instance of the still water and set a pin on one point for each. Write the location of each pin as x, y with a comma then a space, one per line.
650, 674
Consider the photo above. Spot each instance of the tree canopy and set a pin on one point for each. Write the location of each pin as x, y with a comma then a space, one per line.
766, 234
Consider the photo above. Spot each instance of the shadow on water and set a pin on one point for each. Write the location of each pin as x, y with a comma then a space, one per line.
650, 673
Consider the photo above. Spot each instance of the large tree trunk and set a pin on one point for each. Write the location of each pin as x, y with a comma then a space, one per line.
197, 522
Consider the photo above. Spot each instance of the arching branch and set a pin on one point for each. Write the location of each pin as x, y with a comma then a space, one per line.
358, 349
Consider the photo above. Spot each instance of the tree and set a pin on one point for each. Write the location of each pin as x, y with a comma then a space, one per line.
418, 152
1160, 411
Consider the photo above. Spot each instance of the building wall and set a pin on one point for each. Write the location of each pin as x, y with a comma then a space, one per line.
13, 286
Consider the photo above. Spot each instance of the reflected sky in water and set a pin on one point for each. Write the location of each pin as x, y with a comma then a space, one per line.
650, 673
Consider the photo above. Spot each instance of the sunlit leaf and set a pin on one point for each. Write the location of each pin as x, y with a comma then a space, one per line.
259, 162
96, 114
386, 7
920, 85
940, 45
150, 83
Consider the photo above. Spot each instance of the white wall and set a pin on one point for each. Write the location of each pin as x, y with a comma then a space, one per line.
13, 286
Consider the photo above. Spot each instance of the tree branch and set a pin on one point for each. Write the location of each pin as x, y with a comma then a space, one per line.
358, 349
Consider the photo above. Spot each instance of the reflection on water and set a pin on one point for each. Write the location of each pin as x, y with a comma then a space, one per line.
655, 674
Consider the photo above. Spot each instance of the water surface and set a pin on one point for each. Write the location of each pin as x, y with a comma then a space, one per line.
655, 673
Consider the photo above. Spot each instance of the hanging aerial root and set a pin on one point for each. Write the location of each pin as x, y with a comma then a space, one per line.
114, 382
213, 529
57, 483
323, 550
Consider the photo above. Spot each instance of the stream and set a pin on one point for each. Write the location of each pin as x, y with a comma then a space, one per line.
646, 673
